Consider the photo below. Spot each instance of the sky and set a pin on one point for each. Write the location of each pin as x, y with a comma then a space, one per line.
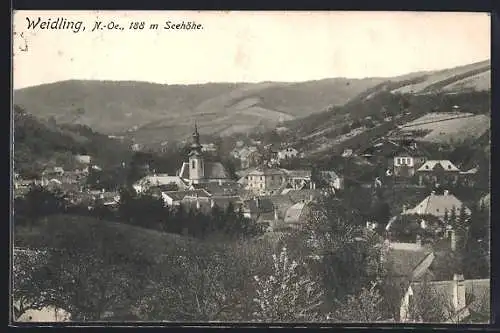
245, 46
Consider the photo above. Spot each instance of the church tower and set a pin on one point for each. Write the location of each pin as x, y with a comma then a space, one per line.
196, 163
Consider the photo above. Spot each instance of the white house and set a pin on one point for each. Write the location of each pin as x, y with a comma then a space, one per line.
287, 153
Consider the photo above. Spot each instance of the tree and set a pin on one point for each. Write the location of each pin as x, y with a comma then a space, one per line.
365, 307
287, 294
349, 257
32, 287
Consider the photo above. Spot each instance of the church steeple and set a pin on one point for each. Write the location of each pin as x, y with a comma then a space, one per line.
196, 163
196, 146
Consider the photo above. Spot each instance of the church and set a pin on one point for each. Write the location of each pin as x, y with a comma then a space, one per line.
199, 171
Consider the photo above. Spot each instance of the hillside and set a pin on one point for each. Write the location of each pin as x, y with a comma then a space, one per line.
155, 112
39, 144
67, 232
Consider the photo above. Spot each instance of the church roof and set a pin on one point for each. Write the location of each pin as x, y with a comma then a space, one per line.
215, 170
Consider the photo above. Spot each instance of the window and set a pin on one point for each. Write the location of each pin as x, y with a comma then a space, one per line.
193, 164
398, 160
260, 177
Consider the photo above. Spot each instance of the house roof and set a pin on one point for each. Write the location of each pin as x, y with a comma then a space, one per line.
265, 205
298, 173
226, 188
296, 213
437, 205
477, 292
162, 179
264, 171
190, 203
430, 165
213, 170
404, 258
281, 203
179, 195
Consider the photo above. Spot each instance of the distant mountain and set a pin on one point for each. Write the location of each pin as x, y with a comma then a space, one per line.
152, 113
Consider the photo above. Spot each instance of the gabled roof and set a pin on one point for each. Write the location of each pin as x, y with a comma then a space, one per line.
403, 259
437, 205
295, 214
445, 164
226, 188
213, 170
298, 173
179, 195
161, 179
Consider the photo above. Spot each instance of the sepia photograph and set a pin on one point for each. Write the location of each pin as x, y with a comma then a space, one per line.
269, 167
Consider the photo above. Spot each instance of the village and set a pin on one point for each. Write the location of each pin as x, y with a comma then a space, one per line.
418, 237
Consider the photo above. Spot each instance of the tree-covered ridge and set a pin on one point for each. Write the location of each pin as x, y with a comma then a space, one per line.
39, 144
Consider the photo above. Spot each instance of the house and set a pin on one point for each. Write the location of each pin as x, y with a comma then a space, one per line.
452, 301
441, 172
347, 153
287, 153
174, 198
209, 148
259, 209
407, 262
405, 164
197, 170
159, 180
220, 188
296, 215
438, 205
264, 180
299, 179
205, 205
83, 159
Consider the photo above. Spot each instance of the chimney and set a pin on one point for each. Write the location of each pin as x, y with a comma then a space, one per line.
458, 292
453, 240
405, 207
419, 240
446, 192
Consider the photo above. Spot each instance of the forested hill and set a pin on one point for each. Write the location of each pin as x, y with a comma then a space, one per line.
39, 144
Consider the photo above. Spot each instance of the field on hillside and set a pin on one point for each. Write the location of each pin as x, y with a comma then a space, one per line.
449, 127
440, 79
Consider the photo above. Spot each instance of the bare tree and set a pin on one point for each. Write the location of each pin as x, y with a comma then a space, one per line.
364, 307
287, 294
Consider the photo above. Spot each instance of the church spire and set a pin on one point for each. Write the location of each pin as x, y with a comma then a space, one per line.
196, 146
196, 135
